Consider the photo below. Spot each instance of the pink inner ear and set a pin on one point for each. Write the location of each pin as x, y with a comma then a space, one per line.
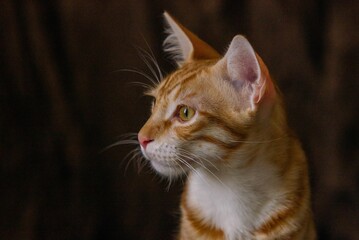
244, 70
242, 64
249, 74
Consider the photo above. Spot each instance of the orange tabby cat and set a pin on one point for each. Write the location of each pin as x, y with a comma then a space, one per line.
220, 121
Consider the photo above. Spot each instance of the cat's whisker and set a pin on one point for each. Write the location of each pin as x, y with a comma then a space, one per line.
213, 174
130, 139
118, 143
169, 181
132, 152
149, 66
190, 167
138, 72
152, 58
128, 136
136, 153
141, 162
193, 158
184, 163
149, 60
200, 158
143, 85
155, 63
179, 165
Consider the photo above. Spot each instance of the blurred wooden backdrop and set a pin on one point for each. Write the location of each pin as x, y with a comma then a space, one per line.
61, 101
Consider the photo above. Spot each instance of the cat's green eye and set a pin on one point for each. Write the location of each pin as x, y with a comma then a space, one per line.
186, 113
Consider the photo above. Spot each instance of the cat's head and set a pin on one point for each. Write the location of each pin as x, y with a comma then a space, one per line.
207, 107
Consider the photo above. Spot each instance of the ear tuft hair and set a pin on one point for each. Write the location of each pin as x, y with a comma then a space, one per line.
171, 45
177, 44
183, 45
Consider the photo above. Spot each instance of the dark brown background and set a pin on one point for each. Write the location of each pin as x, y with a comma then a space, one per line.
61, 102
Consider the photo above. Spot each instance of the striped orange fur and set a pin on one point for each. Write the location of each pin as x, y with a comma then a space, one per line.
220, 121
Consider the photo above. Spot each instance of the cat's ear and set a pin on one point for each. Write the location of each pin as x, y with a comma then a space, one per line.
183, 45
246, 71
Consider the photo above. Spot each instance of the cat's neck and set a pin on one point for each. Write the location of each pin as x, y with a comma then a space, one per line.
232, 199
233, 196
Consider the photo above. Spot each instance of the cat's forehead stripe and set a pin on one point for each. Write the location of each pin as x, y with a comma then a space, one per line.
175, 81
178, 78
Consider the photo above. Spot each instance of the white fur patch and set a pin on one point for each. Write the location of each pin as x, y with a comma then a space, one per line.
232, 200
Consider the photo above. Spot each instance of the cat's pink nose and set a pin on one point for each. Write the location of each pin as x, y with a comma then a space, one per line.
144, 141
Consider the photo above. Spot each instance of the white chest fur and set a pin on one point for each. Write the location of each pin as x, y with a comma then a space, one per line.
234, 200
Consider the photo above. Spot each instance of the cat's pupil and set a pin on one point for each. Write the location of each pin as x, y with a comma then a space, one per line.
185, 112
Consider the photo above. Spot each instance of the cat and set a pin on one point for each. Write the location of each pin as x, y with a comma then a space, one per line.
220, 121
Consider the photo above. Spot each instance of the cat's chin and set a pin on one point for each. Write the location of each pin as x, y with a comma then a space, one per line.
167, 170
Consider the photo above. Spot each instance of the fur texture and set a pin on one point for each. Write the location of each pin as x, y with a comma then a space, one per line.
247, 174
